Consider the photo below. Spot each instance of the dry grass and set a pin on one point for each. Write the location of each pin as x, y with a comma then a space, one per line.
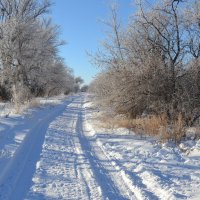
34, 103
155, 125
20, 108
178, 129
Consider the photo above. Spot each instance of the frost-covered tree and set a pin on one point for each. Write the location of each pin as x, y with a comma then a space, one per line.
77, 84
29, 63
150, 65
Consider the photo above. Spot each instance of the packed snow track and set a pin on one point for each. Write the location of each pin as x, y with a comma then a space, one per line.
56, 161
59, 159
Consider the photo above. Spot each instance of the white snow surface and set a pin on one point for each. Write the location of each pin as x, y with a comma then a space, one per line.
57, 152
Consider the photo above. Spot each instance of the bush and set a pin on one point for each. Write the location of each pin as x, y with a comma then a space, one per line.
153, 67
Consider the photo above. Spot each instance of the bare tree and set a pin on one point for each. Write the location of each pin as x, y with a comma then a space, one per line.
29, 51
153, 67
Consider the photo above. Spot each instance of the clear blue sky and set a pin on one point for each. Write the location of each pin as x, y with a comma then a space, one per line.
81, 29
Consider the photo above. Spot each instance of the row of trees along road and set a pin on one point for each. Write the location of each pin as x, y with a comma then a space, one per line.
29, 61
153, 64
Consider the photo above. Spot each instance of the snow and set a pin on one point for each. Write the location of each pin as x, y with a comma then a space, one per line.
153, 170
58, 151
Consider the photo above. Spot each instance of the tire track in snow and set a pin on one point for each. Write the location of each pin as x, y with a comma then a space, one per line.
76, 180
102, 174
155, 185
15, 180
84, 171
150, 185
130, 183
130, 179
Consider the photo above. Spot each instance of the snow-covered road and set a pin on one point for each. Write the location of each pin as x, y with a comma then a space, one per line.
64, 170
60, 158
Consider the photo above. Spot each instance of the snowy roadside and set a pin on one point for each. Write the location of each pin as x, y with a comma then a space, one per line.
14, 127
18, 131
151, 170
8, 109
